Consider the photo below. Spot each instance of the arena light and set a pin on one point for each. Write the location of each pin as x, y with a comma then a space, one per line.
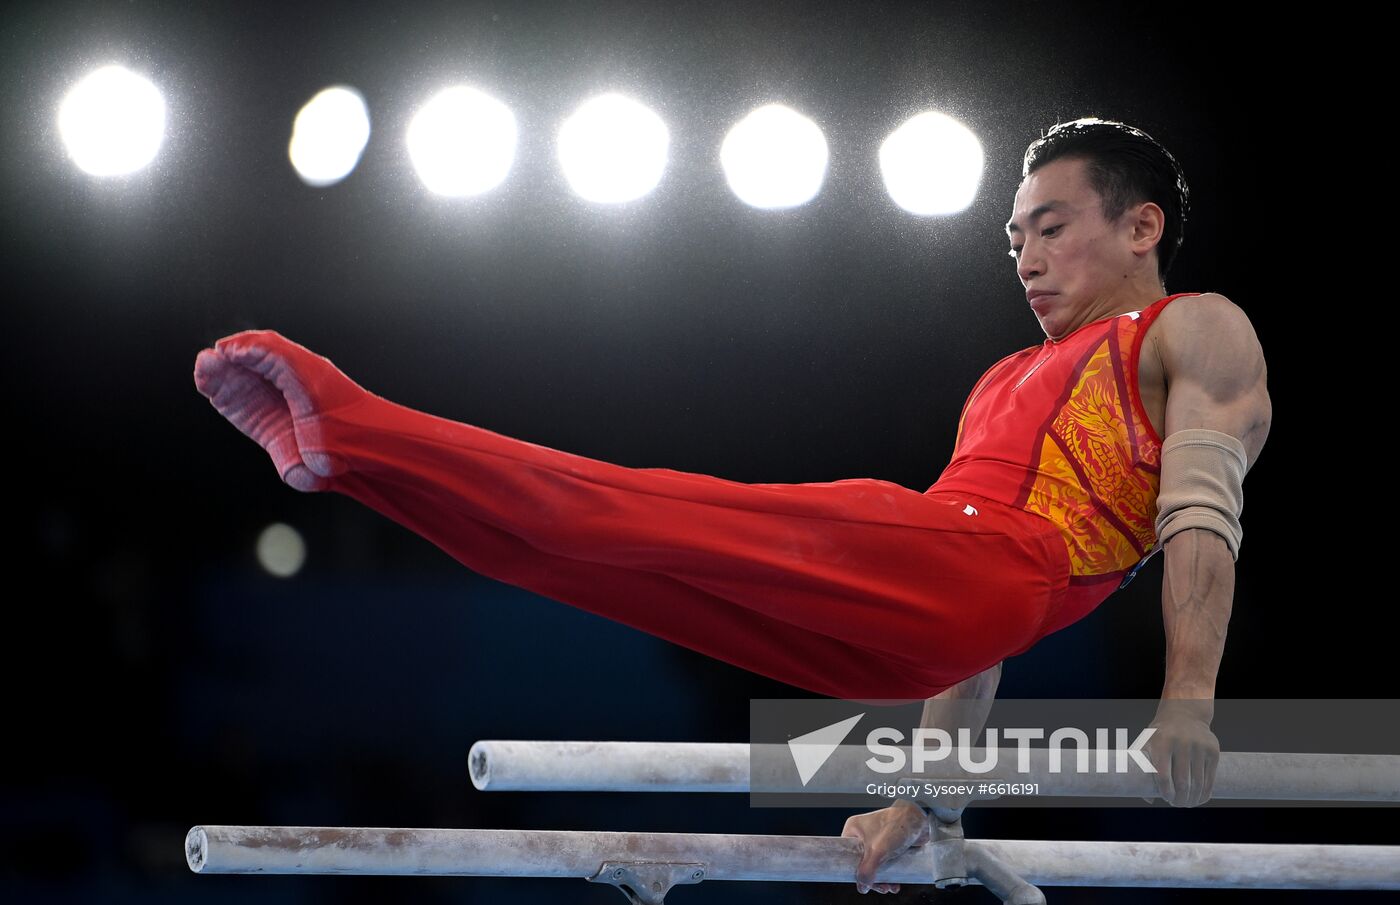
328, 136
613, 149
462, 142
112, 122
932, 165
774, 158
281, 550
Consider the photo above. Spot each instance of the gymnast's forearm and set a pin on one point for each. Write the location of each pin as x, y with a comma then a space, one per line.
982, 686
1198, 587
964, 705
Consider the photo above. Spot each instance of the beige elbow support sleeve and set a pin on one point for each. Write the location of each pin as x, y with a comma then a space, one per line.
1201, 485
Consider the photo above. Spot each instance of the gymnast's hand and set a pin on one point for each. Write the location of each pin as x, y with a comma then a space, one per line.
1184, 751
885, 835
276, 392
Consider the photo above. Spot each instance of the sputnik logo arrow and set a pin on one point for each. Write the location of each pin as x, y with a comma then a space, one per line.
812, 750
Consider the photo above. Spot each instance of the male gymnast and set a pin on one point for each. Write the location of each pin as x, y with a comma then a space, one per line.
1127, 431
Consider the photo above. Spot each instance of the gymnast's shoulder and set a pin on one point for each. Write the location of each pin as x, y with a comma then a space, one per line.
1208, 320
1215, 369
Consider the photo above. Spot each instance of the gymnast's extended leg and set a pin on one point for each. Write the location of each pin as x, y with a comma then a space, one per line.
854, 588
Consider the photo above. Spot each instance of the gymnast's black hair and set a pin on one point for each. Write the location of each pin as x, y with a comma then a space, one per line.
1125, 166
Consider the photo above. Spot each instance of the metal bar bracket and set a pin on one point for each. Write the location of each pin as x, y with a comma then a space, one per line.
647, 882
956, 863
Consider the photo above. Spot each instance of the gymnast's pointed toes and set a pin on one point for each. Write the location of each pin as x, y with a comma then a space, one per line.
324, 464
300, 477
268, 350
311, 383
209, 370
250, 339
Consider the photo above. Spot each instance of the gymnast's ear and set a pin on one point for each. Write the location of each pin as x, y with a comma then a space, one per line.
1147, 222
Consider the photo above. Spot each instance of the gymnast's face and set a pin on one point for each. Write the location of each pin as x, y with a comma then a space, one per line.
1063, 245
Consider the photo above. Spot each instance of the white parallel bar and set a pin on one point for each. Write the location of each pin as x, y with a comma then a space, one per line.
506, 765
510, 853
511, 766
1198, 865
803, 859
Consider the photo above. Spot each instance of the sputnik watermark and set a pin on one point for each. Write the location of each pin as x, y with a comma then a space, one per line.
811, 750
950, 789
1071, 752
895, 760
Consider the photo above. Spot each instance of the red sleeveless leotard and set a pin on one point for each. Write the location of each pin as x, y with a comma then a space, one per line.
1059, 430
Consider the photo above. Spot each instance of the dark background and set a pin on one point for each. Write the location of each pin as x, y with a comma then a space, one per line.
158, 678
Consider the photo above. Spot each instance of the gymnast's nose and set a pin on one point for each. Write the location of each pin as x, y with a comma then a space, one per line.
1031, 263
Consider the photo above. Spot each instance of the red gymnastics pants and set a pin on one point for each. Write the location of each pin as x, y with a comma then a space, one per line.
858, 588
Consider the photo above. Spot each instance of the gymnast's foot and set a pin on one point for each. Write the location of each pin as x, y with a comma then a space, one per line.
276, 392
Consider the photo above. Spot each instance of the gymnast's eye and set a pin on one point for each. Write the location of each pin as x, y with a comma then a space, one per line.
1015, 250
1050, 229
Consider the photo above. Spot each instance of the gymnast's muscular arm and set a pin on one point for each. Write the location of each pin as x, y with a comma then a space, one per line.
1216, 375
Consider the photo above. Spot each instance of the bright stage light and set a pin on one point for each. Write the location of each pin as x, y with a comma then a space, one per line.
329, 135
932, 165
775, 157
462, 142
112, 122
613, 149
280, 550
